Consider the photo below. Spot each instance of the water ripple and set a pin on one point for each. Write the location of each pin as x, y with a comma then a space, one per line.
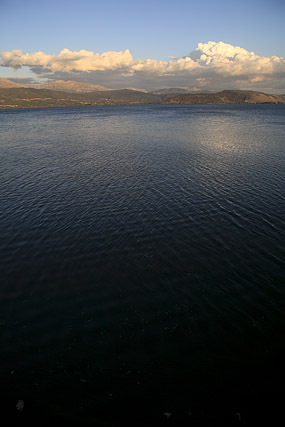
143, 239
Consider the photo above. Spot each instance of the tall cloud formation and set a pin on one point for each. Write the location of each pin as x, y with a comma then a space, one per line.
213, 65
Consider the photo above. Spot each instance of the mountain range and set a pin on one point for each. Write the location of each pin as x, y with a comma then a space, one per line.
61, 85
227, 97
70, 93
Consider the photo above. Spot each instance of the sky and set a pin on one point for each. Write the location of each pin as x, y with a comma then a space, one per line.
200, 45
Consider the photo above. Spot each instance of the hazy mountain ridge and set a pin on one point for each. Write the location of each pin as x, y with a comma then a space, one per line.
79, 87
13, 95
30, 97
59, 85
227, 97
6, 83
168, 91
70, 86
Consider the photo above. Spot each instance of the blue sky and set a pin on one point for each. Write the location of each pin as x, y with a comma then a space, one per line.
157, 30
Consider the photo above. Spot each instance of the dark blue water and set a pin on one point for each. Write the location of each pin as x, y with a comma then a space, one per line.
142, 263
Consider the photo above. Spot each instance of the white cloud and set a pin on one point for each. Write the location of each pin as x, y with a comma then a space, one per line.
226, 59
68, 60
212, 65
151, 66
219, 58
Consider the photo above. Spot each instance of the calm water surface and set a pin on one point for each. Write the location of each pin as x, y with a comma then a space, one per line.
142, 262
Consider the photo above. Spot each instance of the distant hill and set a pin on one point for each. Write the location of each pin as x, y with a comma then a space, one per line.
226, 97
20, 97
59, 85
138, 90
25, 97
6, 83
169, 91
69, 86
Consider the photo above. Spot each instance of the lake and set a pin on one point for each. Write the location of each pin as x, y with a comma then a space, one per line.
142, 264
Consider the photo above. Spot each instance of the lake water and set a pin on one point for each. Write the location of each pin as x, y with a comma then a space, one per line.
142, 264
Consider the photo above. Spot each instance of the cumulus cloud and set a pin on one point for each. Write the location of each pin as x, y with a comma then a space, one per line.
233, 60
213, 65
221, 58
67, 60
151, 66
